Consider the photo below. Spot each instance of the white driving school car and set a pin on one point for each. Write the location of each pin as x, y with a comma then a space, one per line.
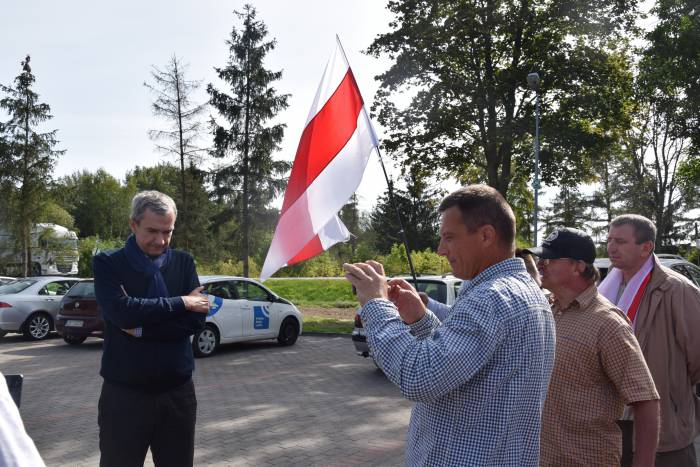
244, 310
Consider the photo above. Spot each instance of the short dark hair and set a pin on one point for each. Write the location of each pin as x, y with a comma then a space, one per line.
644, 229
482, 205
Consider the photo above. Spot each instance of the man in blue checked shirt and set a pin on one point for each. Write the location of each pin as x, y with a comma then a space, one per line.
479, 378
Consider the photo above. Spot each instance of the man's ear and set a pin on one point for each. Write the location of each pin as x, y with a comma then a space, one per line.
648, 248
487, 235
133, 224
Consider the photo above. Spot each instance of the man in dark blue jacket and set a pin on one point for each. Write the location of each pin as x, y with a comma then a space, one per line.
151, 303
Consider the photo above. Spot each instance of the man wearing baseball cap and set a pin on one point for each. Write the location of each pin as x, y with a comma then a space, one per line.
598, 367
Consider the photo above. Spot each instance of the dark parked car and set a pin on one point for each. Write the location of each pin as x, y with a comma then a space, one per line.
79, 317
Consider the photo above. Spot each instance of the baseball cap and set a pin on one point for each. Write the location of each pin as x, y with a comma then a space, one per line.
566, 242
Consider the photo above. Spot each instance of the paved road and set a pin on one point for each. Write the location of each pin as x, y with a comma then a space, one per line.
314, 403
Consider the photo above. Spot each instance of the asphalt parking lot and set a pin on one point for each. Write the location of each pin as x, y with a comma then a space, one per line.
315, 403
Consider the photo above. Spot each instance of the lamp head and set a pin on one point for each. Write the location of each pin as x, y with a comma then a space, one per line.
533, 80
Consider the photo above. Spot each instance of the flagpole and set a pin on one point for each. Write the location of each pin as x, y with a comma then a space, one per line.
389, 184
400, 219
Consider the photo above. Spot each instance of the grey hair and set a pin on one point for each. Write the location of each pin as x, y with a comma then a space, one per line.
158, 202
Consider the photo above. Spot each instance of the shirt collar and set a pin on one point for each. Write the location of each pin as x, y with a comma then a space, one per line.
506, 267
580, 302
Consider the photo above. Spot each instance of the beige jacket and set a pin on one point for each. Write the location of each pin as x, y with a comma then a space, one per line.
668, 329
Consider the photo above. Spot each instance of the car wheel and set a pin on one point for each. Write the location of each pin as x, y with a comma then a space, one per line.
289, 331
205, 342
74, 340
2, 333
37, 327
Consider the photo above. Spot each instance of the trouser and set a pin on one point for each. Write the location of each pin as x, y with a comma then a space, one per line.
131, 421
681, 458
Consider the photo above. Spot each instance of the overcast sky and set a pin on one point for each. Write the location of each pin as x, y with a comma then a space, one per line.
90, 59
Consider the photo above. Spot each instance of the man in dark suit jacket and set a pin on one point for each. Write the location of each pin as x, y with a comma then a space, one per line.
151, 303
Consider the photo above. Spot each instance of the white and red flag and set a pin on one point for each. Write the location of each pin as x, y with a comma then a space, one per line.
331, 158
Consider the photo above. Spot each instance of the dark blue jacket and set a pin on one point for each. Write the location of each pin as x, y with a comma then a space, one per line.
162, 358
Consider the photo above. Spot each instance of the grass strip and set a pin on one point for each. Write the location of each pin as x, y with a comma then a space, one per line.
319, 292
319, 324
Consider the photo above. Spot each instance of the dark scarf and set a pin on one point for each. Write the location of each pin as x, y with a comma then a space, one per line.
151, 267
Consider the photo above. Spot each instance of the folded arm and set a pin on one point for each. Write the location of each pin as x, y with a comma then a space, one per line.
183, 324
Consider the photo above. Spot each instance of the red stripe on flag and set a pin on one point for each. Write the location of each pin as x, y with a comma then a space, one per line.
313, 248
324, 137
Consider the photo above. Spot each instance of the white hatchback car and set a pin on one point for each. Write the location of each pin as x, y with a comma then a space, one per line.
244, 310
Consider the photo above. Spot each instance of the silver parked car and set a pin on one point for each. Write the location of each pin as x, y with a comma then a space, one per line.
29, 305
6, 280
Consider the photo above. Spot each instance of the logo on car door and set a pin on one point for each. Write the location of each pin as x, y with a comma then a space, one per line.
261, 317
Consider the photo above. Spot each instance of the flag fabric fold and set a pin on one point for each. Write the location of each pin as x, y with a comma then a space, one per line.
330, 160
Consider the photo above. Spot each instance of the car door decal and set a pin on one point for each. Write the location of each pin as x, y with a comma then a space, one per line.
214, 305
261, 317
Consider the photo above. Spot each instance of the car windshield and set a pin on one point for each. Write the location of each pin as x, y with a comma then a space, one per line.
16, 286
435, 290
694, 272
82, 289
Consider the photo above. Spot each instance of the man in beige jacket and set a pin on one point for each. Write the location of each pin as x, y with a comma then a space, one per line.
664, 308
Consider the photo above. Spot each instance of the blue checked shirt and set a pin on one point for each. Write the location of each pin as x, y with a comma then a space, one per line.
479, 378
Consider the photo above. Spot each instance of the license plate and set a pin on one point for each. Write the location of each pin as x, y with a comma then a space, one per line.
75, 323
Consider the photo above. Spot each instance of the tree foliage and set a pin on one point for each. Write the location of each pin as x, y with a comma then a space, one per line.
97, 201
463, 66
652, 175
418, 205
671, 62
248, 178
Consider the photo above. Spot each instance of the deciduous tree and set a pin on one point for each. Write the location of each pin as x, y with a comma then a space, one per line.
462, 65
174, 102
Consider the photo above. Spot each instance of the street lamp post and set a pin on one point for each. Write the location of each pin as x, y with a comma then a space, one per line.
533, 80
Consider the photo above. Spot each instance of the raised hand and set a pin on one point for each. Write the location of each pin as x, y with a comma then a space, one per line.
407, 300
368, 279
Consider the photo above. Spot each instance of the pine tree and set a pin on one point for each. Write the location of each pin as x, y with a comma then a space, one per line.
248, 178
569, 209
28, 157
418, 205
